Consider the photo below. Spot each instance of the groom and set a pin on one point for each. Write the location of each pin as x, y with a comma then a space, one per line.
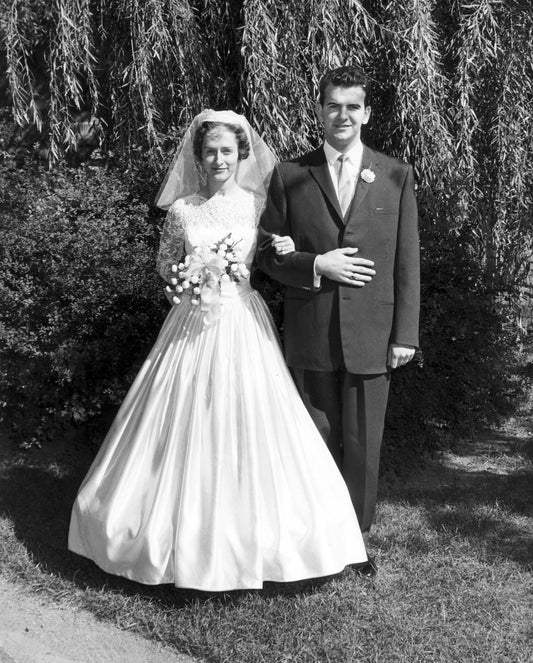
352, 302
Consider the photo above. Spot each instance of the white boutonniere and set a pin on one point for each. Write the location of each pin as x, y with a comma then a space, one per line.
368, 175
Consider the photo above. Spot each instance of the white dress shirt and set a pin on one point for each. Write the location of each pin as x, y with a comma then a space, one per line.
354, 158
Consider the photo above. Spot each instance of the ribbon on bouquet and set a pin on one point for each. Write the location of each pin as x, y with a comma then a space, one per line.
208, 270
210, 301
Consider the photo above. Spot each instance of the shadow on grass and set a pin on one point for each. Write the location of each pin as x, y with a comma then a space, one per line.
38, 503
490, 510
486, 509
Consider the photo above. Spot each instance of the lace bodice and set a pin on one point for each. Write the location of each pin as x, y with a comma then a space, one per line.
198, 221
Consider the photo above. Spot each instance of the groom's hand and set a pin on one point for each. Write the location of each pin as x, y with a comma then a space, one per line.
399, 355
342, 265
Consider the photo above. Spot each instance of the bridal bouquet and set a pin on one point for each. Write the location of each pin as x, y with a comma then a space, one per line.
206, 275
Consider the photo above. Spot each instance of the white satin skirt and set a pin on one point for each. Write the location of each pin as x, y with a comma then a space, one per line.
213, 475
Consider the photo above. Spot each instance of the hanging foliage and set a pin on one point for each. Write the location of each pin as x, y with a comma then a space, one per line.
141, 68
453, 88
286, 48
21, 28
72, 81
509, 177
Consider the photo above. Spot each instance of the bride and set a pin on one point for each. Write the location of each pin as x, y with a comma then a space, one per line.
213, 476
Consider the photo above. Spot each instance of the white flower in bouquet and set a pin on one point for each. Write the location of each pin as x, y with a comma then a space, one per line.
209, 274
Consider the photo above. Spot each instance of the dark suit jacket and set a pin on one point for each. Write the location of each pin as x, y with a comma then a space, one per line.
341, 323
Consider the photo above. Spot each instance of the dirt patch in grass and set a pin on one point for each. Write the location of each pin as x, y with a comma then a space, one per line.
34, 629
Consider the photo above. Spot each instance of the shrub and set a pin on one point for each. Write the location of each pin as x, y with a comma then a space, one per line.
467, 372
81, 302
82, 305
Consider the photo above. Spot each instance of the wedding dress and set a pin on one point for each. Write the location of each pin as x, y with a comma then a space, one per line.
213, 475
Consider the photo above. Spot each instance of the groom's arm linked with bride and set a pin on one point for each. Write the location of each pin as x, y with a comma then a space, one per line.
352, 302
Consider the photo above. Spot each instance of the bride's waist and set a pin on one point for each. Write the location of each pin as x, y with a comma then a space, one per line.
220, 292
235, 289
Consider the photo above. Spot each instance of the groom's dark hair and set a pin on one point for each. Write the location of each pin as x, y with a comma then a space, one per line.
344, 77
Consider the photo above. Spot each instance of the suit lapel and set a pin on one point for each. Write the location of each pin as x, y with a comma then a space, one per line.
370, 160
320, 172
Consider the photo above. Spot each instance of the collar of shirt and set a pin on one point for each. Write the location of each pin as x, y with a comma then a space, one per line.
355, 158
355, 155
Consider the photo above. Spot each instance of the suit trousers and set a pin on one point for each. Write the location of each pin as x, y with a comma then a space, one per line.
349, 411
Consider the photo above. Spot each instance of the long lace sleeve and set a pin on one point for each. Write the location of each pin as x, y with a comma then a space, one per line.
172, 242
259, 206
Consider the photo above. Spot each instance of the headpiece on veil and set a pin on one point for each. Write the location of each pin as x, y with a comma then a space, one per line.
186, 176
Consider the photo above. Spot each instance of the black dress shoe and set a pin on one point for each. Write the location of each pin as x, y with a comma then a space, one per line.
367, 569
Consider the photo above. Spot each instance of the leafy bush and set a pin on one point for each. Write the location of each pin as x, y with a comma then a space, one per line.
81, 302
467, 373
82, 305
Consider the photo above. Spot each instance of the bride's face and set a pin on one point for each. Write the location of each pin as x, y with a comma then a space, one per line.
220, 155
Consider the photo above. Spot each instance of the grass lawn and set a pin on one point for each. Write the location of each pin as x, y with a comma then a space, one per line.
453, 543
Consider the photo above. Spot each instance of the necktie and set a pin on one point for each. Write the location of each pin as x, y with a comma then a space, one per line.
345, 183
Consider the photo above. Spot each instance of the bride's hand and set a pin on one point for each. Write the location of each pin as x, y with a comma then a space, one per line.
283, 244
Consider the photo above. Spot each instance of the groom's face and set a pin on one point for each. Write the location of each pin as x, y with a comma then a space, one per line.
343, 113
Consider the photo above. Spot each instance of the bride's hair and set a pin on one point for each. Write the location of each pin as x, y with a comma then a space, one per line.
243, 144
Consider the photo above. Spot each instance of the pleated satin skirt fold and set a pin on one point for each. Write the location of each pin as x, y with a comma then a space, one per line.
213, 475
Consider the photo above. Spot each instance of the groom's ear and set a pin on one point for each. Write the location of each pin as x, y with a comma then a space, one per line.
319, 110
